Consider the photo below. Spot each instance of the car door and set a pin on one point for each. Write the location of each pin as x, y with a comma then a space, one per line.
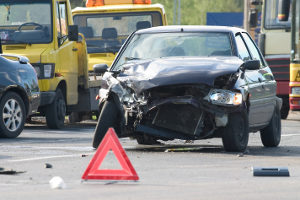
66, 53
267, 80
255, 86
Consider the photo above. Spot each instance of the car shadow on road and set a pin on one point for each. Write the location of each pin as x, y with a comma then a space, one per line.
281, 151
43, 126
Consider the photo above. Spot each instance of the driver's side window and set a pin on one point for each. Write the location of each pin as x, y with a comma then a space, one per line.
61, 21
242, 49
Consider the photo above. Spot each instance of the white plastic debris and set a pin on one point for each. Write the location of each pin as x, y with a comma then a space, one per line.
57, 183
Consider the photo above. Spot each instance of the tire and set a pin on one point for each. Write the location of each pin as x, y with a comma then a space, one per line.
75, 117
271, 135
108, 118
146, 139
235, 135
56, 111
284, 112
13, 115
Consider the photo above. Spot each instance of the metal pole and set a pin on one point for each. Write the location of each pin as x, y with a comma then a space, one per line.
0, 46
174, 13
179, 13
246, 14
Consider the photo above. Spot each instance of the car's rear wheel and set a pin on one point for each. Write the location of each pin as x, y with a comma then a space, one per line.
12, 116
271, 135
235, 135
75, 117
56, 111
108, 118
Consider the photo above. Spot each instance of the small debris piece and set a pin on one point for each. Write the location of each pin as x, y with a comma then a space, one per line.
84, 155
270, 171
47, 165
240, 155
10, 171
57, 183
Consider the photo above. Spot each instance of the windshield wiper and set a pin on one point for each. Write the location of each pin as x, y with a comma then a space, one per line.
131, 58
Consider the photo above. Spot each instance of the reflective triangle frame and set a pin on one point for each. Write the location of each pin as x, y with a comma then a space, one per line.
110, 142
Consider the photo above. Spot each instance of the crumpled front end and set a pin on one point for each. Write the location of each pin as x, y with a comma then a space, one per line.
181, 111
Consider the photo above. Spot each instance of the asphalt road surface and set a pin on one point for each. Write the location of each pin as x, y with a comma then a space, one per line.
174, 170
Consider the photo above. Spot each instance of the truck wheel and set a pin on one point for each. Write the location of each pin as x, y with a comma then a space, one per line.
56, 111
271, 135
236, 134
107, 119
284, 112
75, 117
12, 116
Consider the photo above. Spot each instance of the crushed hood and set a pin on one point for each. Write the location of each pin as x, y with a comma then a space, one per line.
144, 75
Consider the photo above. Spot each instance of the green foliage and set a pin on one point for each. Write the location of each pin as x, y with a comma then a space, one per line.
193, 12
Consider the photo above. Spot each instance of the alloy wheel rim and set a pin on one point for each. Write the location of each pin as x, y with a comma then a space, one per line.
12, 115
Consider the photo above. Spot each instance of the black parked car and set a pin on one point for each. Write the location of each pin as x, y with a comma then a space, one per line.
190, 82
19, 94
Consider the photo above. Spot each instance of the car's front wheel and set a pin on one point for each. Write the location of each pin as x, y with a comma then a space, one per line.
108, 118
145, 139
236, 134
271, 135
12, 116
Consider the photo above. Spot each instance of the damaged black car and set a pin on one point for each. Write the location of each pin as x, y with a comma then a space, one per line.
189, 83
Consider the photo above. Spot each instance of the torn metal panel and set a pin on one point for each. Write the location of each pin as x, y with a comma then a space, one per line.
165, 100
171, 71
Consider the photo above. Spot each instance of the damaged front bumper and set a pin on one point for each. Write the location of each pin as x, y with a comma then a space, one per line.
195, 113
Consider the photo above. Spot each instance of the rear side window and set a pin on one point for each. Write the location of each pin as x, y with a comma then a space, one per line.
242, 49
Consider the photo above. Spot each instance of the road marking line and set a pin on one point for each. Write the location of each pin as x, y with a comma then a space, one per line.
60, 156
290, 135
50, 157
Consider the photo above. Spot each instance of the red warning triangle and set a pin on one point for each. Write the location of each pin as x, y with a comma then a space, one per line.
110, 142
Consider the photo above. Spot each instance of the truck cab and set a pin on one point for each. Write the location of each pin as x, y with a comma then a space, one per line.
43, 31
107, 24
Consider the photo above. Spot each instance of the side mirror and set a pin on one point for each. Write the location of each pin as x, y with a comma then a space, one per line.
100, 68
283, 10
253, 17
73, 33
251, 65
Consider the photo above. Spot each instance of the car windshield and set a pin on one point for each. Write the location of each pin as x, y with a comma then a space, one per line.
107, 32
271, 16
25, 21
157, 45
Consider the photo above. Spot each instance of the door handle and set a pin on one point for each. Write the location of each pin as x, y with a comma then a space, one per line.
74, 49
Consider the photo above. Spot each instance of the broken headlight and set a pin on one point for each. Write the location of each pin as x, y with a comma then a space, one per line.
225, 97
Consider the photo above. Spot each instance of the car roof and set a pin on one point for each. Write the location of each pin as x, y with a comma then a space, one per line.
190, 28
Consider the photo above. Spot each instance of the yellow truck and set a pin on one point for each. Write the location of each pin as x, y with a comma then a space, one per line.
295, 55
43, 31
107, 23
